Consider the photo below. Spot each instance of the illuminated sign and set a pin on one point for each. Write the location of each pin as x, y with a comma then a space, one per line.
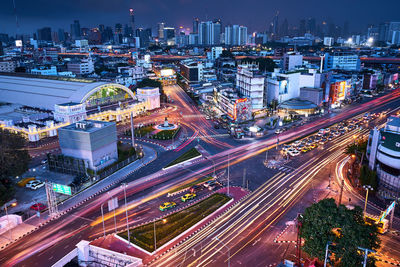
167, 72
62, 189
18, 43
241, 100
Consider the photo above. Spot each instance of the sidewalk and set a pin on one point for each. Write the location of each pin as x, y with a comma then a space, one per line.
33, 223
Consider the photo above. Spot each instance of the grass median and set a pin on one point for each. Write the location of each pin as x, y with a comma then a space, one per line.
192, 153
174, 224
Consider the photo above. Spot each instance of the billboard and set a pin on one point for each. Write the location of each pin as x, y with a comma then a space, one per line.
167, 72
62, 189
242, 110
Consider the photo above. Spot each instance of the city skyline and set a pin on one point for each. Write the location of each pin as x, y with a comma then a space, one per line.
256, 15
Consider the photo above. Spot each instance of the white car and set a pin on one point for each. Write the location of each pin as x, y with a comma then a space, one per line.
35, 184
296, 143
278, 131
293, 152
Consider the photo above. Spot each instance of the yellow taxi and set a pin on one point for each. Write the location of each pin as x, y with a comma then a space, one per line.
167, 206
188, 197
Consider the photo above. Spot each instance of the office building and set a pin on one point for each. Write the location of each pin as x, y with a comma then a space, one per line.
215, 52
76, 30
235, 35
341, 61
81, 66
383, 153
132, 20
251, 85
229, 103
195, 25
209, 33
144, 36
282, 86
160, 30
192, 71
291, 61
329, 41
44, 34
93, 141
169, 35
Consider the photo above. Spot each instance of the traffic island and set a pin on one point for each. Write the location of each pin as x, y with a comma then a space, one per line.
172, 226
191, 154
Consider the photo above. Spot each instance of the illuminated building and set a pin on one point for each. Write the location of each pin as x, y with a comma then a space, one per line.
150, 96
383, 153
342, 61
229, 103
251, 84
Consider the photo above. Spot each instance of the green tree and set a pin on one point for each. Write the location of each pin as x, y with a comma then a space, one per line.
325, 221
14, 160
227, 54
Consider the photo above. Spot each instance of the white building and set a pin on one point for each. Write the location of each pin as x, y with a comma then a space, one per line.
292, 61
45, 71
329, 41
282, 86
342, 61
150, 95
93, 141
70, 112
215, 52
383, 153
80, 67
8, 66
251, 84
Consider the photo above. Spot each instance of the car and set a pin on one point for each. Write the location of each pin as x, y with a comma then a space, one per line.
167, 206
296, 143
209, 183
188, 197
278, 131
38, 207
294, 152
313, 145
330, 138
300, 147
36, 185
195, 188
323, 141
305, 149
44, 161
286, 147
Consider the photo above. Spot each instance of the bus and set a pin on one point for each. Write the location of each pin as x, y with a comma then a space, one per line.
382, 226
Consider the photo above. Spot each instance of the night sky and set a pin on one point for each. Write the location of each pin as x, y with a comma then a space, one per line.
255, 14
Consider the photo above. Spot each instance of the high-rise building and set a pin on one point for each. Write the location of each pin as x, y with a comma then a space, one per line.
195, 25
209, 32
311, 26
144, 36
44, 34
284, 28
342, 61
235, 35
251, 84
61, 35
132, 20
160, 30
274, 26
169, 35
76, 30
118, 28
302, 27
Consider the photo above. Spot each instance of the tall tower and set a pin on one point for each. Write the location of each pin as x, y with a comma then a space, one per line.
132, 20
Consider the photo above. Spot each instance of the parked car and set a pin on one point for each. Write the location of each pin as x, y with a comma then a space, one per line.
167, 206
38, 207
36, 184
188, 197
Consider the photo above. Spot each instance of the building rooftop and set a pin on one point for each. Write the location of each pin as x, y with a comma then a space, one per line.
88, 126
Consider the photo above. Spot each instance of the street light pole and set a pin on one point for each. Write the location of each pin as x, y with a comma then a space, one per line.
126, 214
366, 187
155, 238
228, 171
102, 217
326, 252
229, 250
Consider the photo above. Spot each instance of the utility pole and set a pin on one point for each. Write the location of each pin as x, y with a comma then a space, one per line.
341, 192
326, 252
102, 217
366, 251
126, 214
132, 130
228, 172
244, 178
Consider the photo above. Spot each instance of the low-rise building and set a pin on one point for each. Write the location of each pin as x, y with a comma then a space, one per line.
229, 103
8, 65
93, 141
81, 67
342, 61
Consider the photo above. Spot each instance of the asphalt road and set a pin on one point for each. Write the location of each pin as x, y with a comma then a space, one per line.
51, 242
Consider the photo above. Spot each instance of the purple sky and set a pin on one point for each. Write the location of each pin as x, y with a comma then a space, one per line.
255, 14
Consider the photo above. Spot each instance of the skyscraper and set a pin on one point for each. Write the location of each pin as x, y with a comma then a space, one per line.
195, 25
209, 32
76, 30
44, 34
274, 25
235, 35
132, 19
160, 30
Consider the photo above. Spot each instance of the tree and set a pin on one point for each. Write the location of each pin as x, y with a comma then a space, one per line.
14, 160
345, 228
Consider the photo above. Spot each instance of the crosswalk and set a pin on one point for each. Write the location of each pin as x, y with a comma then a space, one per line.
283, 168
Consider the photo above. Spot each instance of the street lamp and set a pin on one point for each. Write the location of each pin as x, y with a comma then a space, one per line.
326, 252
213, 165
229, 250
126, 214
366, 187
